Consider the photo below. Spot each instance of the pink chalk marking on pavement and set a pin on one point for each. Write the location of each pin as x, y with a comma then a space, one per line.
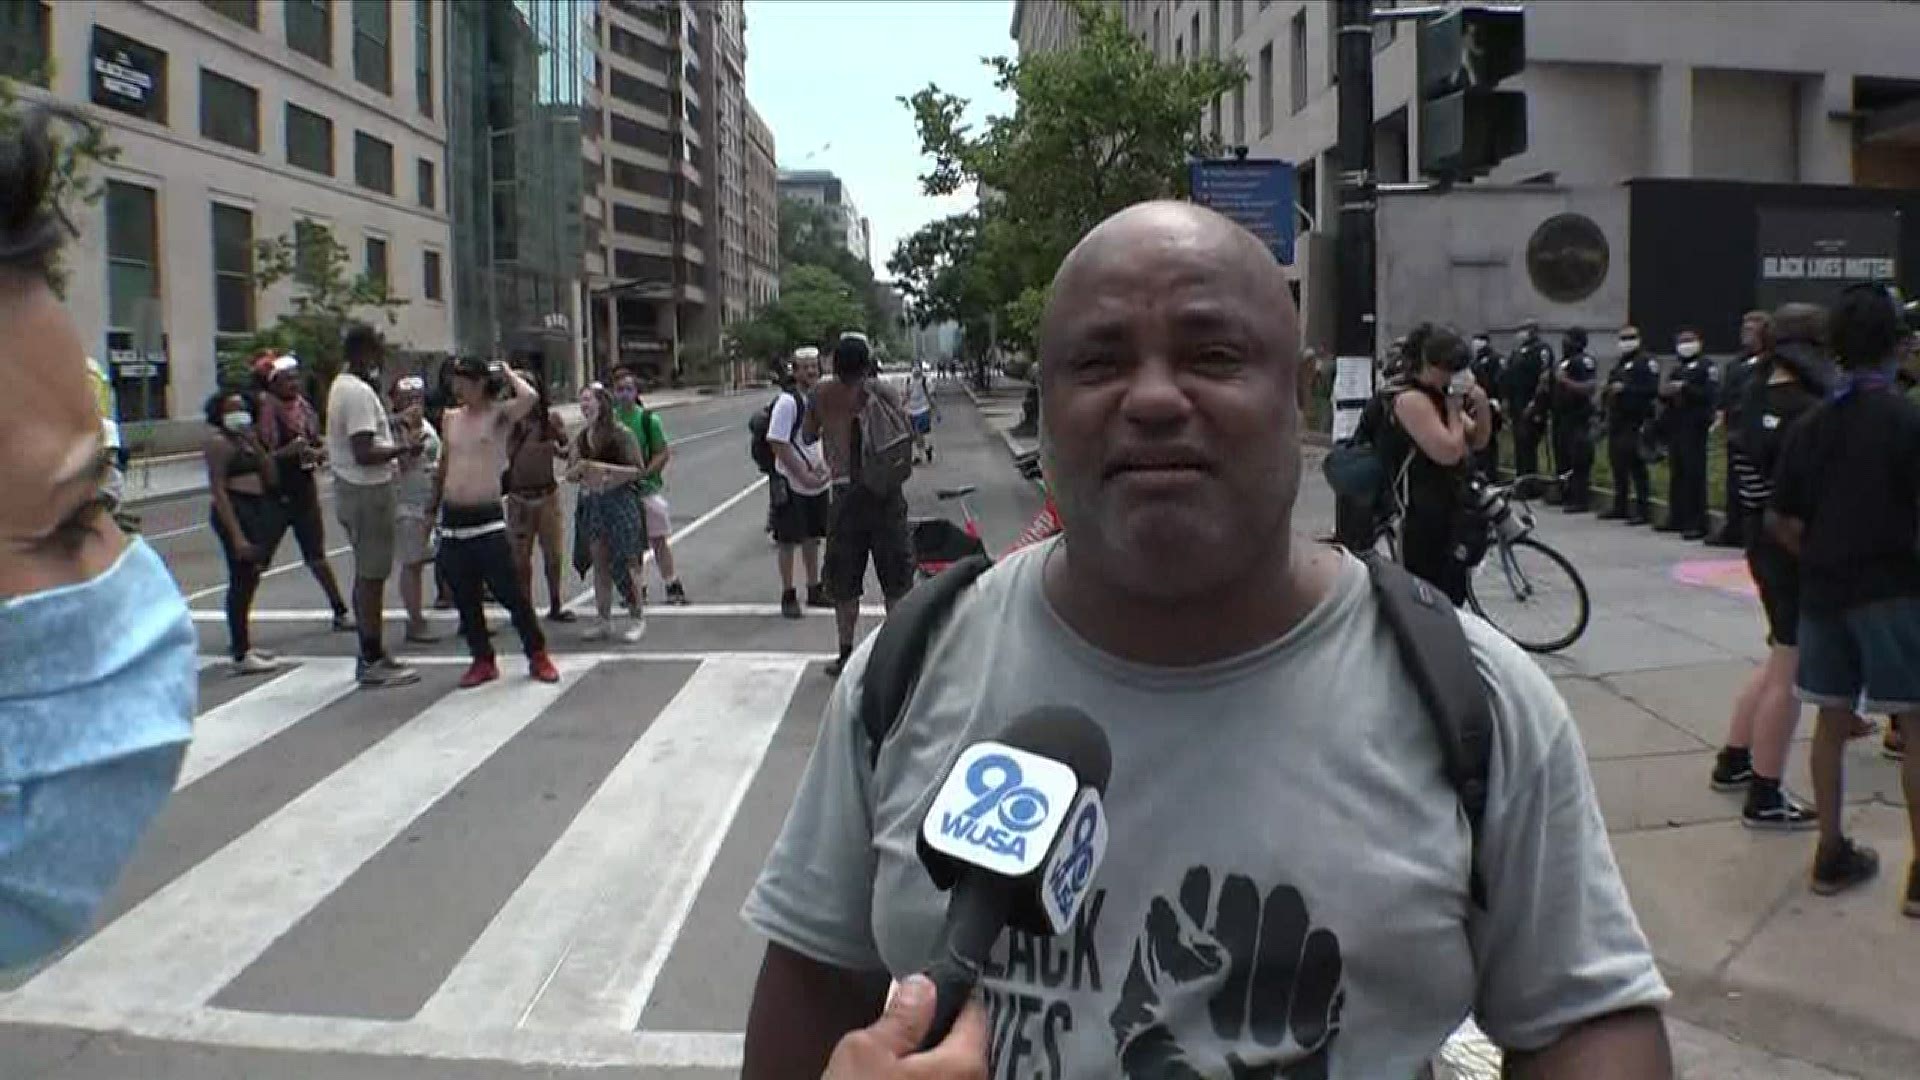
1729, 576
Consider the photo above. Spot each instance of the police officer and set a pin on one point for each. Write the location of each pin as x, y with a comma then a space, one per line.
1487, 369
1632, 389
1756, 341
1571, 400
1519, 385
1691, 395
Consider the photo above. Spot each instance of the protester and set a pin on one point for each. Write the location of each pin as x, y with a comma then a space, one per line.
467, 504
1570, 400
98, 678
647, 431
1633, 389
921, 412
414, 537
1690, 395
799, 486
362, 452
605, 461
1846, 501
246, 518
1440, 420
533, 497
1273, 777
867, 520
290, 428
1756, 340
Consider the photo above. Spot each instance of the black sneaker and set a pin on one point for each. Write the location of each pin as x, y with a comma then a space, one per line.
790, 604
1732, 772
836, 667
1610, 515
817, 597
1778, 812
677, 595
1911, 908
1835, 870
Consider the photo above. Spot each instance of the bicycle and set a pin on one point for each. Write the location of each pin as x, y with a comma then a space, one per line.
937, 542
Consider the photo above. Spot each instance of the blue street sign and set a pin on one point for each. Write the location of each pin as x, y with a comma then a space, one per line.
1256, 194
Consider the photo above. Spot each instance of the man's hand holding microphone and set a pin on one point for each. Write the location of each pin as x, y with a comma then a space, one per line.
890, 1046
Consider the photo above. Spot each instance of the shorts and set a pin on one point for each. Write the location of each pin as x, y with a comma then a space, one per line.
262, 520
922, 423
1777, 575
367, 512
415, 541
1867, 655
301, 495
862, 524
796, 518
659, 516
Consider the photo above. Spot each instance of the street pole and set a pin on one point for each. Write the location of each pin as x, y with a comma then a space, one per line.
1353, 253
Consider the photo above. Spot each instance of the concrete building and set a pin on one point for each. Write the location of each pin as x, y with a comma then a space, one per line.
1746, 90
819, 187
1044, 25
729, 140
763, 213
234, 120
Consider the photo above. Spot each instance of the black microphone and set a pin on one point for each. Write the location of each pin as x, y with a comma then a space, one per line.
1015, 834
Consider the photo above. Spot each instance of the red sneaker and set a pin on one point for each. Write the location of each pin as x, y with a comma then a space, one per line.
482, 671
540, 666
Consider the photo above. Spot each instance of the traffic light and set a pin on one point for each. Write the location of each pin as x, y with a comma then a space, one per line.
1466, 125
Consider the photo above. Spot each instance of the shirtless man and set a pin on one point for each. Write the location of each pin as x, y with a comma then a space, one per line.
473, 526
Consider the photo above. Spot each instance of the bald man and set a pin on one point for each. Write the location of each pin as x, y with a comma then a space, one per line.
1286, 891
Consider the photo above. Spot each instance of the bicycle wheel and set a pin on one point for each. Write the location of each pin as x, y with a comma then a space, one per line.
1532, 594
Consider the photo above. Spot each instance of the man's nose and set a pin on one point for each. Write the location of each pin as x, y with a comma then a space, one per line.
1154, 395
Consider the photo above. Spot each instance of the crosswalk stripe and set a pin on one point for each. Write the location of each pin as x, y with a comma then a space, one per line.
579, 944
185, 942
226, 732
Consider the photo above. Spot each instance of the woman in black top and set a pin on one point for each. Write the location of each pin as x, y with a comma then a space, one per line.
1440, 420
247, 518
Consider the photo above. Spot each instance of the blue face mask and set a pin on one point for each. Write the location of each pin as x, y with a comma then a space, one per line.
98, 684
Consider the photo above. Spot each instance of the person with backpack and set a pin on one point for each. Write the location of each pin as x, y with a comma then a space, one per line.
655, 452
797, 482
862, 424
1341, 815
1440, 420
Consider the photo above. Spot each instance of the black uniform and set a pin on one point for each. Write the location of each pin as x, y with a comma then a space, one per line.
1689, 418
1573, 428
1733, 391
1488, 368
1635, 387
1519, 385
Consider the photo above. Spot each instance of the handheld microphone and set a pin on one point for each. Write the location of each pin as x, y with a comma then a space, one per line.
1015, 834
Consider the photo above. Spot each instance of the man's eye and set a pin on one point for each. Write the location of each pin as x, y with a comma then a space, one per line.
1216, 358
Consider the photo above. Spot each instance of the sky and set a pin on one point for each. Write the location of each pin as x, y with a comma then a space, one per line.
826, 76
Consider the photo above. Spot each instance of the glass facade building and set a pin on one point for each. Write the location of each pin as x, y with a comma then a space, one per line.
517, 75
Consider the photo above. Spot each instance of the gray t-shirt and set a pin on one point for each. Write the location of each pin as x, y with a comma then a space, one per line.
1286, 884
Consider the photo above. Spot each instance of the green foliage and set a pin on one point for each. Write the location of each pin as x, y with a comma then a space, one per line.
327, 296
81, 148
815, 306
1095, 128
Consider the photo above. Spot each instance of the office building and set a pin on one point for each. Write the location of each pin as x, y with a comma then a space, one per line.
234, 119
763, 213
517, 76
819, 187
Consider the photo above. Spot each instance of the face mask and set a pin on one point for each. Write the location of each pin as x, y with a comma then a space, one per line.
1480, 344
1629, 344
1461, 382
1689, 349
98, 684
237, 422
626, 397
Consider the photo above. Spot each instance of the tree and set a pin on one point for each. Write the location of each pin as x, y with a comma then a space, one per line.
815, 306
1095, 128
327, 296
81, 147
808, 238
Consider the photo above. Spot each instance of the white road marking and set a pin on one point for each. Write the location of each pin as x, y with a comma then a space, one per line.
327, 1034
216, 590
580, 943
654, 611
185, 942
226, 732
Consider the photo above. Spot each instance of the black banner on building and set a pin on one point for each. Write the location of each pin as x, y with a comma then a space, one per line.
128, 75
1811, 254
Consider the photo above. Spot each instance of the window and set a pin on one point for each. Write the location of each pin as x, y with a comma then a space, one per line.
640, 50
372, 163
423, 55
310, 28
309, 140
229, 111
373, 43
129, 76
244, 12
377, 260
133, 253
1213, 27
1265, 86
635, 134
1297, 59
430, 275
312, 250
1239, 18
631, 177
429, 184
634, 221
1240, 115
1193, 39
1179, 49
26, 41
232, 270
639, 92
1159, 44
1333, 45
1308, 194
633, 265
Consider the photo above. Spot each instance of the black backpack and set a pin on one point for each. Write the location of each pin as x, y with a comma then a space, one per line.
758, 447
1432, 644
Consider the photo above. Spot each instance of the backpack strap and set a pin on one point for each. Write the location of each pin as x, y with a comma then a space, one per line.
893, 666
1434, 647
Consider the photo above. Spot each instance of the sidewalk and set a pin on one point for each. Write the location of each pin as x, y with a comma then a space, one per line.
167, 476
1769, 980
